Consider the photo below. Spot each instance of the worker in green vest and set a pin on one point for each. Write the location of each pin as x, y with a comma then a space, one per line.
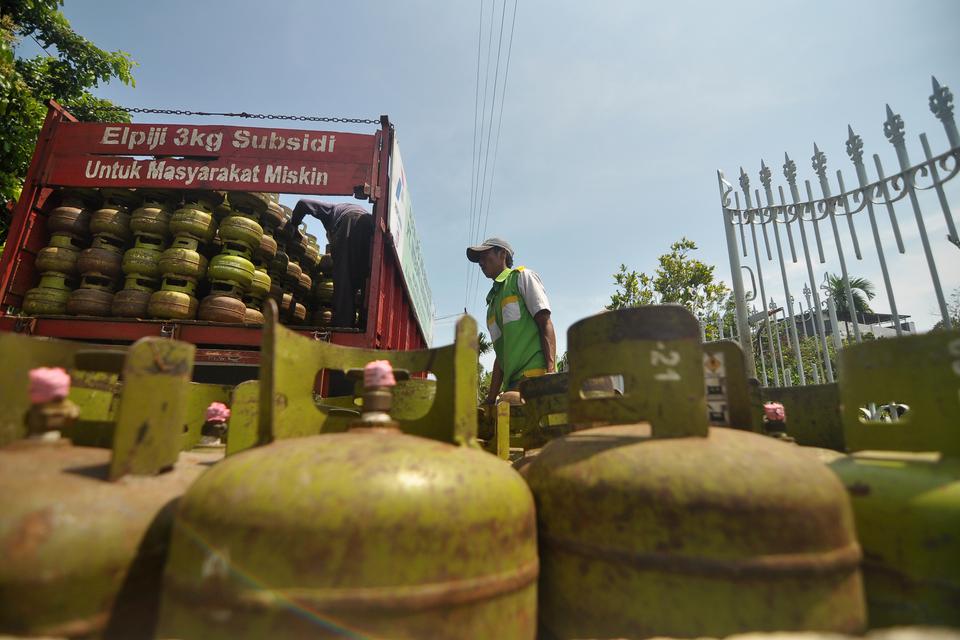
518, 318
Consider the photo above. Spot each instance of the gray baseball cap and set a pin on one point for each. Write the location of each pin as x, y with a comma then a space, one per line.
473, 253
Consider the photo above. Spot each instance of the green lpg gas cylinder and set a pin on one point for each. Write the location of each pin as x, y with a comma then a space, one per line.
84, 530
904, 475
655, 524
370, 532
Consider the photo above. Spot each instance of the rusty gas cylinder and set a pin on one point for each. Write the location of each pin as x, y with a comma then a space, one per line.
903, 475
60, 254
249, 204
299, 315
153, 215
311, 256
90, 301
172, 304
103, 258
304, 284
267, 250
253, 297
222, 308
131, 302
259, 285
657, 525
41, 301
83, 553
252, 316
72, 212
278, 265
242, 231
194, 218
183, 261
293, 273
323, 317
272, 218
324, 290
374, 532
143, 259
112, 219
50, 296
286, 305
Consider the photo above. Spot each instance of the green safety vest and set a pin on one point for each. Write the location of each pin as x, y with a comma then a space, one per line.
515, 336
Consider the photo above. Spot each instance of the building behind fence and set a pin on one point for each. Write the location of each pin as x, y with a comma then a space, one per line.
769, 227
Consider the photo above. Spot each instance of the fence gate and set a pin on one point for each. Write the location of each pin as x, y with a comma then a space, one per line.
803, 220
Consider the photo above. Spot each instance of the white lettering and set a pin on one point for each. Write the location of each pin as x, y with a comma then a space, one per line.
241, 139
214, 141
191, 174
109, 137
155, 169
273, 174
136, 137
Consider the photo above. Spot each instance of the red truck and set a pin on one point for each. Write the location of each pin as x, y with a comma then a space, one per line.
69, 153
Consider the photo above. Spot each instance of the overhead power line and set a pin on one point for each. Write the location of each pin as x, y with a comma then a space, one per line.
473, 167
486, 189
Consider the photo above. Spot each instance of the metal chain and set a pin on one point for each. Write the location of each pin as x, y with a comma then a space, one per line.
241, 114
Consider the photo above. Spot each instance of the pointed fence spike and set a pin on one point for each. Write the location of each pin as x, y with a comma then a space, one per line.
936, 85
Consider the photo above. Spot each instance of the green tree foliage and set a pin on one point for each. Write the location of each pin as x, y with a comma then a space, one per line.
633, 289
563, 364
483, 376
70, 66
679, 278
953, 310
809, 351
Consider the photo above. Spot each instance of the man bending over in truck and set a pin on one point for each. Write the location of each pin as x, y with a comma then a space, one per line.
350, 232
518, 318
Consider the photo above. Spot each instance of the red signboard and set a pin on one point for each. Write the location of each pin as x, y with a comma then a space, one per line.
210, 157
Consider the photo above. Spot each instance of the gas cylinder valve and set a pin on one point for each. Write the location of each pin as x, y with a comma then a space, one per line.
775, 421
215, 426
50, 411
379, 377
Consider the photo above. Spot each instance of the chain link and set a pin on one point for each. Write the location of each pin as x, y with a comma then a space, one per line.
241, 114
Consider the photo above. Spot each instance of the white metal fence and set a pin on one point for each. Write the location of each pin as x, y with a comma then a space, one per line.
794, 212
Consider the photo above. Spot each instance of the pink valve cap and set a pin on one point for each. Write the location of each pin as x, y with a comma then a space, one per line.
378, 373
48, 384
774, 411
218, 412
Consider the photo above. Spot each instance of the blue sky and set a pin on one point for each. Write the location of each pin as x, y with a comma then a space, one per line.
616, 114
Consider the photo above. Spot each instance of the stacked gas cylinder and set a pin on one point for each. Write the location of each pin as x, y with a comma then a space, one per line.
101, 264
150, 225
68, 222
177, 255
303, 288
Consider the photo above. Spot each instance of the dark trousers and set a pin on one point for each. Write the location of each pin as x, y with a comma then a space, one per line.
350, 246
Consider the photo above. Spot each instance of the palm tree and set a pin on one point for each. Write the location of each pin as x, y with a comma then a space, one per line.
483, 343
861, 289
